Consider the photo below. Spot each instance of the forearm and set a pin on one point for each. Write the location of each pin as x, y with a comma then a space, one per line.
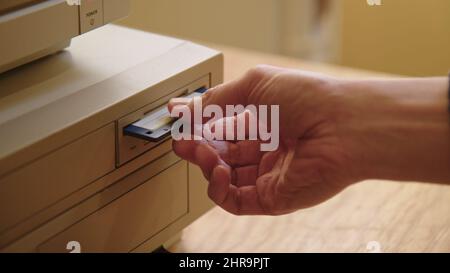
401, 128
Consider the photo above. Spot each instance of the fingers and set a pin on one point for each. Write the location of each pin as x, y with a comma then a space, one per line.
239, 154
239, 127
186, 149
244, 176
236, 200
242, 157
232, 189
199, 153
232, 93
268, 161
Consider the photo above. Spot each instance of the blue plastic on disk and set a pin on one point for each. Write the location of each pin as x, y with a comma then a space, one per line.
156, 126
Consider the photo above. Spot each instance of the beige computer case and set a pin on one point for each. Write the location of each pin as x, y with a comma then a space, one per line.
32, 29
68, 176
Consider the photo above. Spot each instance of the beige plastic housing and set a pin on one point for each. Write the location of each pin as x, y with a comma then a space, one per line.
68, 175
32, 29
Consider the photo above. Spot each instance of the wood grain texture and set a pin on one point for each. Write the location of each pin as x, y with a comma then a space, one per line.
402, 217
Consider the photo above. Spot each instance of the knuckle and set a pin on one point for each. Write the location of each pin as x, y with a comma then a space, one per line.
206, 97
234, 154
257, 72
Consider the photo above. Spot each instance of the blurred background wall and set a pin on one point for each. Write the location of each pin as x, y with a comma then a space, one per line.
409, 37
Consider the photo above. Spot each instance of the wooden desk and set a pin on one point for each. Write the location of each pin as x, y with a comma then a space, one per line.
402, 217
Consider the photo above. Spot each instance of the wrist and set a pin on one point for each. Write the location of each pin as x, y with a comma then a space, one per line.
399, 129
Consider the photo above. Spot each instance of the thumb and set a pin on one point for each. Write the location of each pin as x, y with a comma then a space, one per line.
232, 93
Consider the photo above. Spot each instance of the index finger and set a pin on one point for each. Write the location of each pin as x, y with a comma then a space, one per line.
232, 93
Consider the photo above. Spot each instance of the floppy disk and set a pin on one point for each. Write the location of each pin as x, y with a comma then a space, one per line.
156, 125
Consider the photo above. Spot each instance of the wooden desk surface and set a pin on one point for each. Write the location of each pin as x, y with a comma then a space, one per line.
401, 217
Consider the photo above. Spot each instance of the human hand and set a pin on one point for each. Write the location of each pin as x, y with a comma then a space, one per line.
329, 138
311, 163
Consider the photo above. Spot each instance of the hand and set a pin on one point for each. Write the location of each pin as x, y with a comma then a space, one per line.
329, 138
311, 163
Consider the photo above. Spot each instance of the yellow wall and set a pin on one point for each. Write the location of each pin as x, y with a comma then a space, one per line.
243, 23
275, 26
410, 37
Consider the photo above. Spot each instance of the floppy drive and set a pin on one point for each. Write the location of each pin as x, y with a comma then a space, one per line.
69, 171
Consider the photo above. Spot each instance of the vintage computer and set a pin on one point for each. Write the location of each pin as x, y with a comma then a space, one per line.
71, 179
